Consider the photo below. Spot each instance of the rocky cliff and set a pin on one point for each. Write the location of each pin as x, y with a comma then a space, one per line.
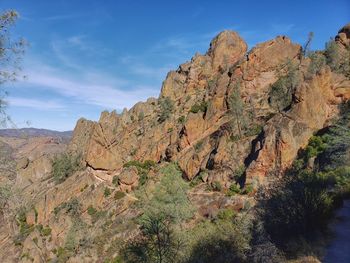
231, 119
193, 122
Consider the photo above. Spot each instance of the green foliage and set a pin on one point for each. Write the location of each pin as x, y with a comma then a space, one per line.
115, 180
44, 231
119, 195
248, 189
73, 242
107, 192
216, 186
24, 228
199, 178
199, 107
95, 214
302, 204
117, 259
72, 208
170, 196
253, 130
317, 144
338, 59
65, 165
224, 240
5, 195
309, 207
239, 173
141, 116
143, 169
280, 96
306, 47
317, 62
181, 119
157, 242
11, 52
84, 188
146, 165
226, 214
237, 108
198, 146
91, 210
166, 109
234, 189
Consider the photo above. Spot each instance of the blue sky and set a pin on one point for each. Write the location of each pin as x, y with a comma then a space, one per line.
86, 56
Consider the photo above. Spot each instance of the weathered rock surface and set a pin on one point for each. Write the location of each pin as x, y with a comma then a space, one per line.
198, 130
192, 123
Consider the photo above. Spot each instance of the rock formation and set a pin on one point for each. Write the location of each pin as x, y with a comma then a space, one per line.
199, 129
214, 117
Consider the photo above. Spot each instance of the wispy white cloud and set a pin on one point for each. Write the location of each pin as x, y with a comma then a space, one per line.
63, 57
35, 103
104, 94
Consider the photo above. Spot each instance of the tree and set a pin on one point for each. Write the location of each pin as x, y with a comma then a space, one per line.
338, 58
306, 47
10, 55
166, 108
281, 93
163, 213
237, 107
157, 243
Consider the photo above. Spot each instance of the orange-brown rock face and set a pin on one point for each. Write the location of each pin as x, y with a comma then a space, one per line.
344, 36
200, 130
316, 103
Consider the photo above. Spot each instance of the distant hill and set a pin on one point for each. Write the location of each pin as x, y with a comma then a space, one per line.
33, 132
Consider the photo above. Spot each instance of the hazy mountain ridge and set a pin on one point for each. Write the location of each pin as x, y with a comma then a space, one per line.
34, 132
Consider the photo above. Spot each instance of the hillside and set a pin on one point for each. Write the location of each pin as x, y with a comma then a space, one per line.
33, 132
221, 167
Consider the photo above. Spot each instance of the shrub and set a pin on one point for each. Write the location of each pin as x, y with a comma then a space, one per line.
107, 192
24, 228
46, 231
234, 189
156, 243
169, 197
198, 179
141, 116
317, 144
115, 180
226, 214
199, 107
317, 62
65, 165
216, 186
72, 207
142, 169
238, 174
198, 146
146, 165
248, 189
222, 241
119, 195
254, 130
5, 195
280, 95
95, 214
166, 108
91, 210
181, 119
338, 59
